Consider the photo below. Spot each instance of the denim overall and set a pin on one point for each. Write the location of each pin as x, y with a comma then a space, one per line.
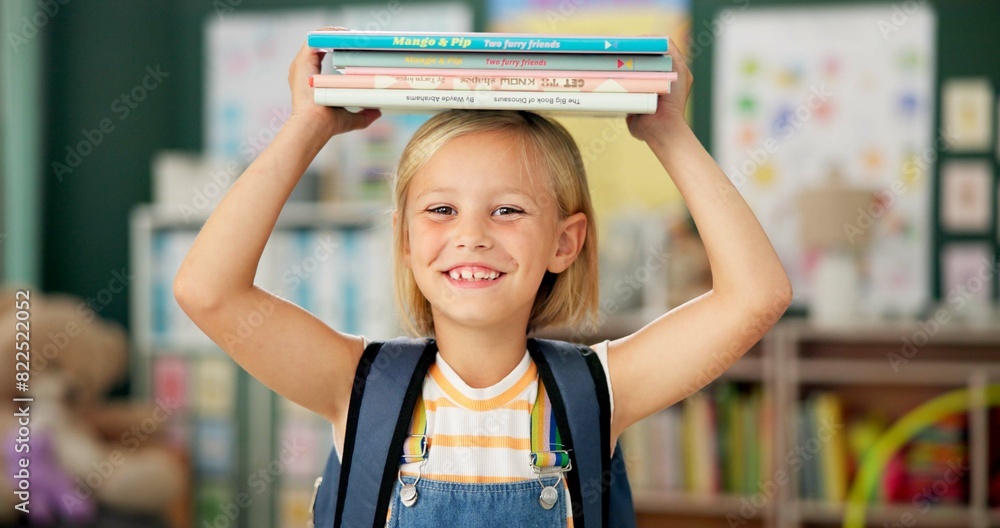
498, 505
539, 502
358, 491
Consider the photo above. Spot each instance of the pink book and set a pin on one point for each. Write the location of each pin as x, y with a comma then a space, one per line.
491, 82
451, 72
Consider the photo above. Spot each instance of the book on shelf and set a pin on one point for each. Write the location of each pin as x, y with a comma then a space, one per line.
557, 82
429, 100
501, 61
830, 447
709, 444
478, 41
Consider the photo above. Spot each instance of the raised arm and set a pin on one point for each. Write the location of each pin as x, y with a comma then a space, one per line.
291, 351
692, 344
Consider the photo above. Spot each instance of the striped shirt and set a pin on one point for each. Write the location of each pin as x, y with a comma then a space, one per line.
483, 435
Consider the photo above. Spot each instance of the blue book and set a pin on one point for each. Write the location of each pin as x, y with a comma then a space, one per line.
502, 61
519, 42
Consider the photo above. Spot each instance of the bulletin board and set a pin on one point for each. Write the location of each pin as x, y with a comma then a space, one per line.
961, 260
807, 95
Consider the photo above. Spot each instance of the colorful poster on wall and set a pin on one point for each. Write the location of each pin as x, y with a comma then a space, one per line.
800, 94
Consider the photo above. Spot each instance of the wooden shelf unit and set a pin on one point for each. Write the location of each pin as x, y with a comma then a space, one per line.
797, 355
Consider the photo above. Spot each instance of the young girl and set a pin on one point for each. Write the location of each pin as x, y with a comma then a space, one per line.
494, 238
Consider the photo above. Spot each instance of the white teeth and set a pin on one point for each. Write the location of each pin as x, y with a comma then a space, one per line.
469, 275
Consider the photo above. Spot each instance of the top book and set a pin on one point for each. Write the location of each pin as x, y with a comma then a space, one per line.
510, 42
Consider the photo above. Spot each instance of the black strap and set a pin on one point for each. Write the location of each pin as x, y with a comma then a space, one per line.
604, 404
389, 376
583, 424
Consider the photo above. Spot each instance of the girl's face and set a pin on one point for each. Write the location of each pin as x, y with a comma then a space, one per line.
481, 233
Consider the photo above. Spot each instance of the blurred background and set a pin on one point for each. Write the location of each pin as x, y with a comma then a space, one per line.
862, 133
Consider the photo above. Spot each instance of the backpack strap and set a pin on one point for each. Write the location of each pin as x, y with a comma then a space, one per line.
583, 420
573, 376
387, 383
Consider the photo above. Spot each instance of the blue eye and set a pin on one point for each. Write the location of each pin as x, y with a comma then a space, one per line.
506, 210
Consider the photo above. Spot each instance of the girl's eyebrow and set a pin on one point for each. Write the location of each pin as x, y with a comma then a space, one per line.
503, 191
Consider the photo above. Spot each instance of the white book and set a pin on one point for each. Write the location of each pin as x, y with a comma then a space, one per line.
431, 100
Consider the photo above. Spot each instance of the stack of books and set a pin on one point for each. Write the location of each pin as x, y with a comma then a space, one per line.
429, 71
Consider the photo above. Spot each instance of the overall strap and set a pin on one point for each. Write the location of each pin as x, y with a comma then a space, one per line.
387, 385
572, 377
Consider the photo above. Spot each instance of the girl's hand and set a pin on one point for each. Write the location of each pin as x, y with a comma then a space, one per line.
669, 107
330, 120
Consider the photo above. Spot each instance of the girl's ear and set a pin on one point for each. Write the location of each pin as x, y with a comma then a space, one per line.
572, 234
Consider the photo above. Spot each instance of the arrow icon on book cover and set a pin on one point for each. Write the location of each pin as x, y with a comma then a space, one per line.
608, 44
626, 64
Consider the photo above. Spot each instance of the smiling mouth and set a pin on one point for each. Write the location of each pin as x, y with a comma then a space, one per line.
474, 274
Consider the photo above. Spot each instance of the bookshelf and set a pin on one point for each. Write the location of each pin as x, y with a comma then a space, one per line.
863, 368
254, 454
242, 428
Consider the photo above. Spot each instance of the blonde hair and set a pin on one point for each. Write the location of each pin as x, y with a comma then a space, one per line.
569, 298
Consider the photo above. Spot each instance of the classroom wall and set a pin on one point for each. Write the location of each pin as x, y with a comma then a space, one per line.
99, 50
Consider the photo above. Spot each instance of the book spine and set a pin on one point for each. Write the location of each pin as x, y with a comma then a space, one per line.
633, 103
497, 83
504, 61
660, 76
486, 42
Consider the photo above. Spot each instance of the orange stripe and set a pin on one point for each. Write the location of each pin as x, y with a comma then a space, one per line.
516, 405
487, 404
519, 405
432, 405
509, 442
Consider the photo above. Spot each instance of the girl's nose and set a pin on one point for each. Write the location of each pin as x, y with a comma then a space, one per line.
472, 233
